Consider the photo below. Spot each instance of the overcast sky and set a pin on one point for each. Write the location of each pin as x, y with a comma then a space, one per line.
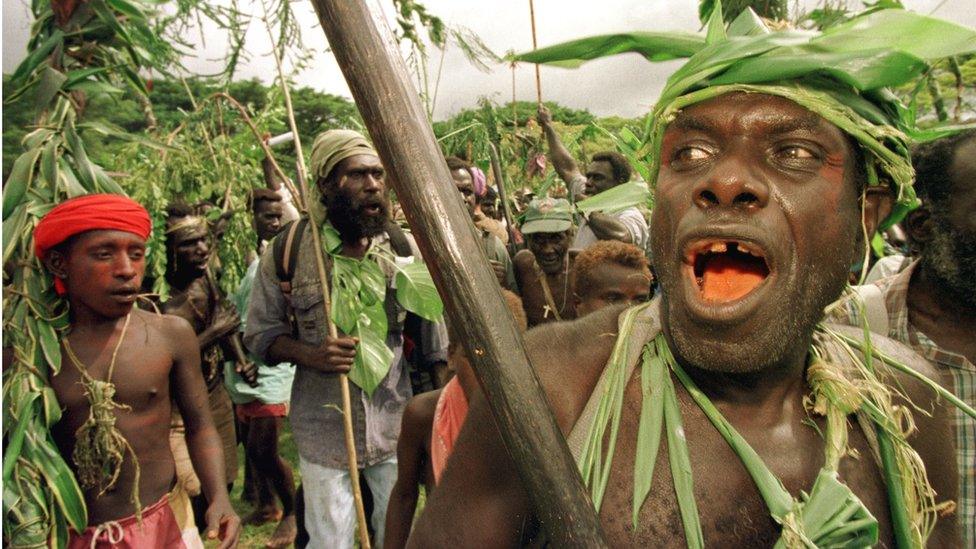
624, 85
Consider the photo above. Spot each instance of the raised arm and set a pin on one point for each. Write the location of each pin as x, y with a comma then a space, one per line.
561, 158
202, 439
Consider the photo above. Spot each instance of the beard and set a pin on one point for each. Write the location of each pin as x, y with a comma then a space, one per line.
348, 215
775, 334
950, 257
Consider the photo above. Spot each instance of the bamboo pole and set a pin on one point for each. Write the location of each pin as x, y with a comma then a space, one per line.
496, 168
371, 62
535, 46
350, 439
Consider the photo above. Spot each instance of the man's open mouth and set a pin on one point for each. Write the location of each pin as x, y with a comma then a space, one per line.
373, 208
727, 270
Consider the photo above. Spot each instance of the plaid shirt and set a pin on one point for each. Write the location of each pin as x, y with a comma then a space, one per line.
956, 372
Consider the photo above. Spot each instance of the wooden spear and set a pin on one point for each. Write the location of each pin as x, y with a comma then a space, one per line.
371, 62
535, 46
496, 168
326, 298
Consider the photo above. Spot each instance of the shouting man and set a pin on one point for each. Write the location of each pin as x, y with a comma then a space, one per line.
95, 247
352, 184
542, 269
724, 413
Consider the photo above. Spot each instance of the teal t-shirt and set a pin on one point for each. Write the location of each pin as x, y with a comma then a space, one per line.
274, 382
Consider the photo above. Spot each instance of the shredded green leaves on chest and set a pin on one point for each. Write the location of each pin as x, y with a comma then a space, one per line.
844, 387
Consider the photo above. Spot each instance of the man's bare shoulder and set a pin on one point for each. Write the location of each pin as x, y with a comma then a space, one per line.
902, 353
420, 409
569, 357
173, 329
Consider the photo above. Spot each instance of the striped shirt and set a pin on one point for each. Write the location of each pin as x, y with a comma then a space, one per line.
957, 372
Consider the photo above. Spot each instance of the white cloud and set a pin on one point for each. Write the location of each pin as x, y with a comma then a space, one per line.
624, 85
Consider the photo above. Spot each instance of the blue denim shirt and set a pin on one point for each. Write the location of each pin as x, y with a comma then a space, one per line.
316, 397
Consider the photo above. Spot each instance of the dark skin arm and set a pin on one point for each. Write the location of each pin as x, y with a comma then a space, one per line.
225, 322
333, 356
202, 438
414, 427
606, 227
561, 158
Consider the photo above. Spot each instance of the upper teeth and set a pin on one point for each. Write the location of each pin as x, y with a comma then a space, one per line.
722, 247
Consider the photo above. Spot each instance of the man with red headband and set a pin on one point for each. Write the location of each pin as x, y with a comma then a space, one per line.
122, 368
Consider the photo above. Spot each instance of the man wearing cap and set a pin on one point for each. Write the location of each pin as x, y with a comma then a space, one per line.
542, 269
725, 413
350, 180
606, 170
95, 247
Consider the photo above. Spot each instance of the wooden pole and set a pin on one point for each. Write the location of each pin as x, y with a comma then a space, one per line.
535, 46
326, 298
496, 168
371, 62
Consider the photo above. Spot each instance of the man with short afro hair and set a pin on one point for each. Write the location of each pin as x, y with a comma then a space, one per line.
610, 273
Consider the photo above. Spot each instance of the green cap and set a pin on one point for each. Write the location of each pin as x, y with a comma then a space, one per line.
548, 215
334, 146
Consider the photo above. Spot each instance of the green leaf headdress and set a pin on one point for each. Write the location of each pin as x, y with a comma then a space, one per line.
842, 74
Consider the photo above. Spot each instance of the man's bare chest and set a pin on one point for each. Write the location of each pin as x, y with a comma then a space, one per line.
140, 375
730, 507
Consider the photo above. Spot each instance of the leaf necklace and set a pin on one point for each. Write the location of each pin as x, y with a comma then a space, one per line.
550, 301
99, 445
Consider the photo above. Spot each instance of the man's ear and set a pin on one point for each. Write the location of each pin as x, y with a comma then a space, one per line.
878, 203
57, 264
918, 224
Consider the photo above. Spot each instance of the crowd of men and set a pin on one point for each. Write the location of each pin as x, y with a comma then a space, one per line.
762, 206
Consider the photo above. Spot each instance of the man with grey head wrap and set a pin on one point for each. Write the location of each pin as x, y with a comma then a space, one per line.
350, 180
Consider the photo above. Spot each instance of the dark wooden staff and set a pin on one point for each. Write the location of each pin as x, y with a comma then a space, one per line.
371, 62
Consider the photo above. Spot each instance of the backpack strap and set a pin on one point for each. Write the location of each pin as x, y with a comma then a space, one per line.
875, 310
286, 246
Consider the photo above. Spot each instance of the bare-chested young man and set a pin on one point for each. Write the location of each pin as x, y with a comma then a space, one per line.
542, 269
757, 221
95, 247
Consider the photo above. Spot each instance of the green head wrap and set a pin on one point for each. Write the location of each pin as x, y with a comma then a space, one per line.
841, 73
334, 146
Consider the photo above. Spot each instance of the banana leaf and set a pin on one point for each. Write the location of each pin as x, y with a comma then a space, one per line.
615, 199
373, 357
654, 46
417, 293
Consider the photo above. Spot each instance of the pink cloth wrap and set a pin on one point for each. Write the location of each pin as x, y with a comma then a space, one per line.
479, 180
452, 408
